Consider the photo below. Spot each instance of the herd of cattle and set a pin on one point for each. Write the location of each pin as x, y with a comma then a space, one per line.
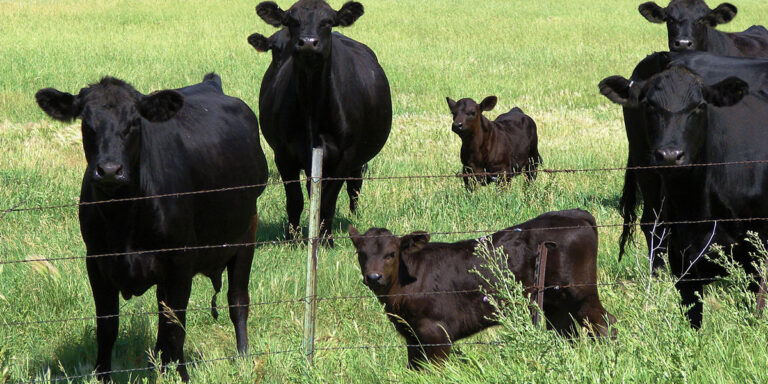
703, 102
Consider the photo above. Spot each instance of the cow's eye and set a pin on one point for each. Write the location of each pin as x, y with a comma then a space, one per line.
326, 23
390, 255
471, 113
291, 22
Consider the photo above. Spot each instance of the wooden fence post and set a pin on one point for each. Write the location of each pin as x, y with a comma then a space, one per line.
310, 296
538, 282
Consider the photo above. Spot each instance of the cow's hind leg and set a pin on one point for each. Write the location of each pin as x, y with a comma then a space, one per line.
238, 270
433, 346
690, 293
354, 187
107, 302
330, 194
595, 318
172, 322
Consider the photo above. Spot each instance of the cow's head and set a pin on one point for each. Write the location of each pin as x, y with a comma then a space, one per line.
382, 256
467, 114
309, 24
112, 114
675, 105
687, 21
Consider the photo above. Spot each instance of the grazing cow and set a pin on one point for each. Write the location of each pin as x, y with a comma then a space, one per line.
322, 89
691, 27
505, 146
172, 141
415, 271
690, 119
712, 68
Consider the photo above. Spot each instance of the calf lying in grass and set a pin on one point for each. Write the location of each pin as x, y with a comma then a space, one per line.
415, 270
494, 150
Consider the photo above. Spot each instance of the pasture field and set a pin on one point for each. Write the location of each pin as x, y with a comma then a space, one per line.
545, 56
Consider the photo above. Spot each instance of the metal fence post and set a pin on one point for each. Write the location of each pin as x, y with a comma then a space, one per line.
310, 297
538, 282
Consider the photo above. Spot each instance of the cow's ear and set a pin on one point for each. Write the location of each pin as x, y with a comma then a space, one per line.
59, 105
414, 242
616, 89
349, 13
653, 12
727, 92
354, 235
723, 14
260, 42
451, 103
489, 103
160, 106
271, 13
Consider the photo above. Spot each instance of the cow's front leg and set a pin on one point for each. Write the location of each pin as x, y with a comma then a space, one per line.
173, 319
106, 298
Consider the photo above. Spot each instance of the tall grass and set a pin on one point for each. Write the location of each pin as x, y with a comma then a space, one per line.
545, 56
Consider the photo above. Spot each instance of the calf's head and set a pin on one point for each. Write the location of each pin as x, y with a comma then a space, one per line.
467, 114
309, 24
688, 21
675, 105
112, 115
383, 256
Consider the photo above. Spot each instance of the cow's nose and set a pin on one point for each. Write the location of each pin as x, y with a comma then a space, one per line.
109, 171
684, 44
458, 126
373, 278
670, 156
308, 43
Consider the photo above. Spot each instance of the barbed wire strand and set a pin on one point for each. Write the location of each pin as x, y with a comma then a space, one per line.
374, 178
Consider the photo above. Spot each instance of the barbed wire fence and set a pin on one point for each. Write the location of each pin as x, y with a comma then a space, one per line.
312, 241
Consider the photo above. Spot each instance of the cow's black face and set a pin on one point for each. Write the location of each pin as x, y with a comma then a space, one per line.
380, 254
112, 115
675, 105
467, 113
687, 21
309, 24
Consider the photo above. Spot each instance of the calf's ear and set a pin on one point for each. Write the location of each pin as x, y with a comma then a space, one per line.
414, 242
354, 235
488, 103
724, 13
259, 42
727, 92
451, 103
616, 89
160, 106
349, 13
652, 12
59, 105
271, 13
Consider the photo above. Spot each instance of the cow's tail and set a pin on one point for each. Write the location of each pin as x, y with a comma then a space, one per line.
215, 79
534, 157
216, 281
628, 208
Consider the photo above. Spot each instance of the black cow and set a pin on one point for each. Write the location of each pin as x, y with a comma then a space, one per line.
691, 119
503, 147
321, 89
408, 273
690, 26
172, 141
712, 68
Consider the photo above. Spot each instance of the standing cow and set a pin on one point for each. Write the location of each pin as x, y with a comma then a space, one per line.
693, 119
410, 276
322, 89
501, 148
691, 27
173, 141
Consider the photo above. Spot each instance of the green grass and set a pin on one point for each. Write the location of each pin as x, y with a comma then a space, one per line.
545, 56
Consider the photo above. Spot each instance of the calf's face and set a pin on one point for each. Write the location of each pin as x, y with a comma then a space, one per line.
309, 24
382, 256
467, 113
112, 115
687, 21
675, 107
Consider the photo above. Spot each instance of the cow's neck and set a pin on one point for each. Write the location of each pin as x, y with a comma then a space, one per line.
685, 195
478, 141
313, 86
719, 43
